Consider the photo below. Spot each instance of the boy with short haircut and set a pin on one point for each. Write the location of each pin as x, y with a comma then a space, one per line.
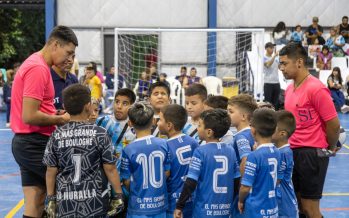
219, 101
159, 97
286, 197
144, 166
257, 192
212, 170
195, 96
240, 109
94, 83
80, 162
172, 120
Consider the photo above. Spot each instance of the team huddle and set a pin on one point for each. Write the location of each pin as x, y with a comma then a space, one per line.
171, 165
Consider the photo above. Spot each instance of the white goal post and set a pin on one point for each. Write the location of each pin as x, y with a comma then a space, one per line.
228, 54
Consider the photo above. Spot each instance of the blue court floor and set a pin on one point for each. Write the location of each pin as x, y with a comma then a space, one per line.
334, 204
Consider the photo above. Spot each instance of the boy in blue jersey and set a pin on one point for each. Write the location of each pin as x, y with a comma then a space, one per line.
257, 191
145, 166
172, 120
212, 170
80, 162
240, 109
117, 127
286, 197
159, 97
195, 96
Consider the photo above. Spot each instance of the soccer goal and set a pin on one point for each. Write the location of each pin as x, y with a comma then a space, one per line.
234, 56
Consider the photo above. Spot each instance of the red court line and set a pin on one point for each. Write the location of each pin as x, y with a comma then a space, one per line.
336, 209
9, 175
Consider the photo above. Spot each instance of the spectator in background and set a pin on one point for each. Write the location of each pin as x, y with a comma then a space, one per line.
62, 78
334, 83
162, 78
271, 76
343, 29
75, 68
94, 83
279, 33
182, 78
7, 94
151, 57
154, 72
335, 43
98, 74
314, 31
297, 35
192, 79
2, 79
109, 78
143, 86
324, 59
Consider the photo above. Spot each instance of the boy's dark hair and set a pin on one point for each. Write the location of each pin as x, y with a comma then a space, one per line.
93, 65
294, 51
184, 68
64, 35
126, 92
286, 121
264, 122
175, 114
141, 115
345, 17
217, 101
75, 97
160, 84
298, 26
197, 89
218, 120
245, 102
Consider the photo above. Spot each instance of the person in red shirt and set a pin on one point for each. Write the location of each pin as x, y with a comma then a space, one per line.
33, 115
317, 128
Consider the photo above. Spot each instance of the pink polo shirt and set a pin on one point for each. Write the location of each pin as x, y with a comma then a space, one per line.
312, 106
33, 79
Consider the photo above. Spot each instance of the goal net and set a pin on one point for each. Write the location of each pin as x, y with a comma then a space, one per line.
234, 56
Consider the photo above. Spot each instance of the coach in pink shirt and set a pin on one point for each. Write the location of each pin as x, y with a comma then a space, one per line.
317, 128
33, 115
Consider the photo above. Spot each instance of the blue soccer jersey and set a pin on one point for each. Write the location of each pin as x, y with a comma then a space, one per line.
243, 143
191, 129
261, 170
214, 167
285, 194
144, 162
181, 150
119, 131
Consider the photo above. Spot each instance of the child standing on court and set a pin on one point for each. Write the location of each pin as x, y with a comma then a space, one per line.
145, 166
80, 163
159, 97
172, 119
212, 170
195, 96
286, 197
257, 196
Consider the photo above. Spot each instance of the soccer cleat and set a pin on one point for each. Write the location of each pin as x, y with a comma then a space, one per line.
116, 205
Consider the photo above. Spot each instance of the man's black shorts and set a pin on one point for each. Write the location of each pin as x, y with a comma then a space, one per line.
309, 172
28, 151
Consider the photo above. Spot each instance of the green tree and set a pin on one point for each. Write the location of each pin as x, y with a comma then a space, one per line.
22, 32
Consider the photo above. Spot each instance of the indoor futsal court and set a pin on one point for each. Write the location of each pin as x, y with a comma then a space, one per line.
334, 204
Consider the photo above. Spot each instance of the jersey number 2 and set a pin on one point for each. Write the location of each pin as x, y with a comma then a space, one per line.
220, 171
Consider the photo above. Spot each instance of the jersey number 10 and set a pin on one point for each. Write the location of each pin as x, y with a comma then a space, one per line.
149, 168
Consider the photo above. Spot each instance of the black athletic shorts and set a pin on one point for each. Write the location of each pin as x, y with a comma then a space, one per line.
28, 151
309, 172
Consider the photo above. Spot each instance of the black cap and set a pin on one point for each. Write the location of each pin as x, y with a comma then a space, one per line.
269, 45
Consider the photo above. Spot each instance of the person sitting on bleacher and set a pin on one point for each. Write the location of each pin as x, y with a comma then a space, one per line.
324, 59
335, 43
334, 83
